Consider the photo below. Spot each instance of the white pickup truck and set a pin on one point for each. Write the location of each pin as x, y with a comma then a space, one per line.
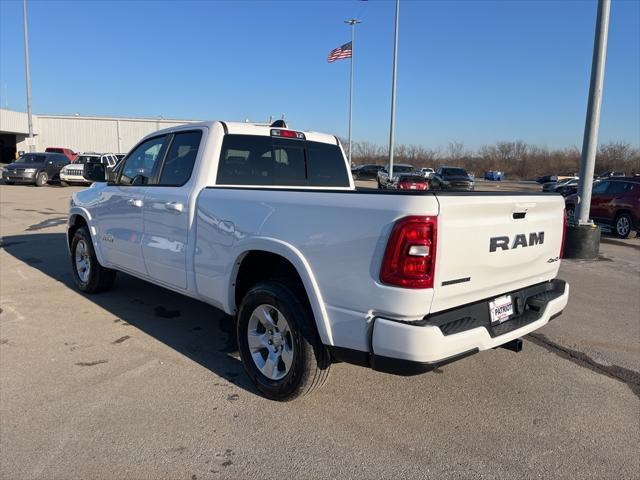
265, 223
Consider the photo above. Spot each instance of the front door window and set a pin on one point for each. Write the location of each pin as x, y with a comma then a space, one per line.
143, 162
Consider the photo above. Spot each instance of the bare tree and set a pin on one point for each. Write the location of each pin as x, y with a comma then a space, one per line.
517, 159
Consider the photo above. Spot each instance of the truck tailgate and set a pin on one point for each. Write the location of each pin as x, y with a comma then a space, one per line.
491, 244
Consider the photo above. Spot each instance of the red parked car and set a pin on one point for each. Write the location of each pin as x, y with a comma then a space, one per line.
412, 182
614, 202
70, 154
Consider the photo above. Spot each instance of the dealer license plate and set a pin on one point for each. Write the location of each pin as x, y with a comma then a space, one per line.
501, 309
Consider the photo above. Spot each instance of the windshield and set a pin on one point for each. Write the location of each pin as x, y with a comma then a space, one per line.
454, 172
30, 158
87, 159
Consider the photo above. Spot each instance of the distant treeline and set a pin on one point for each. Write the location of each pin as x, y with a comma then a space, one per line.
519, 160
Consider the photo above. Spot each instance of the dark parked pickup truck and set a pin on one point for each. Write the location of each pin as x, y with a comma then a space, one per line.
451, 178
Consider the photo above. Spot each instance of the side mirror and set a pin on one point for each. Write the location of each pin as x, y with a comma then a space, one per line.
94, 172
112, 176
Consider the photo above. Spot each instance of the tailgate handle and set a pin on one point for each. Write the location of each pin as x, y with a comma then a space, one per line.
519, 215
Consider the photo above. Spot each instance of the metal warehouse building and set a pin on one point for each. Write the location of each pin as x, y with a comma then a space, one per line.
77, 132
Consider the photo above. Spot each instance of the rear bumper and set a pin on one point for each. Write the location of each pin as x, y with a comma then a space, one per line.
411, 348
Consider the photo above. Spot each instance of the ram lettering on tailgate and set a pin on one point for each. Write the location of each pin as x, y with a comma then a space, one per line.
519, 240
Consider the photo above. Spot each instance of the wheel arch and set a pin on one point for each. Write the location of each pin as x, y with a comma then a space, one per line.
622, 210
79, 217
289, 260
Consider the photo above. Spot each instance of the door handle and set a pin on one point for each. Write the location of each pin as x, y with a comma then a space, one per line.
174, 207
227, 226
135, 202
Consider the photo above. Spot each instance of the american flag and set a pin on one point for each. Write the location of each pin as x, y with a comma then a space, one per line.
338, 53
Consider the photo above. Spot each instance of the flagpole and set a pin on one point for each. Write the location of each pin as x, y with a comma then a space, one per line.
353, 23
393, 94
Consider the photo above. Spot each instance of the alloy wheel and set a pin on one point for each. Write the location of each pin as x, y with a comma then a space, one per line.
83, 262
270, 342
623, 226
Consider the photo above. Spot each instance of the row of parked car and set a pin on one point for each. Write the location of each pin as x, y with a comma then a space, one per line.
567, 185
408, 177
61, 166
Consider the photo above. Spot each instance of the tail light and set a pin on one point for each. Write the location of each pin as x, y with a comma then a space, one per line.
413, 185
564, 231
409, 259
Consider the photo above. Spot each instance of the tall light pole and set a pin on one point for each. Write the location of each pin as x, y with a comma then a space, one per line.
353, 22
582, 238
592, 123
392, 126
26, 66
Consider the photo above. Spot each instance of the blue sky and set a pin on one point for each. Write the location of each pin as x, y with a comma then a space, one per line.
471, 71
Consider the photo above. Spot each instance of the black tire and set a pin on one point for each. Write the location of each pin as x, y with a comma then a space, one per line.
99, 278
310, 365
41, 179
623, 226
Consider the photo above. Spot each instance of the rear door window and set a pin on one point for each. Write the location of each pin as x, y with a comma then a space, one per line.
616, 188
179, 162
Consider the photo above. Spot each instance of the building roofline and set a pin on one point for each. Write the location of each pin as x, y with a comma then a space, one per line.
105, 117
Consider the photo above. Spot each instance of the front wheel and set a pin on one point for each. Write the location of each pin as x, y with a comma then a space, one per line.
89, 275
41, 179
279, 345
623, 225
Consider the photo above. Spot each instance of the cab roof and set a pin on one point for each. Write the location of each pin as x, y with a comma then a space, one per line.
243, 128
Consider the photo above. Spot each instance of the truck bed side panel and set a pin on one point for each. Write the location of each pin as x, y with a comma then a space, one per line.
342, 237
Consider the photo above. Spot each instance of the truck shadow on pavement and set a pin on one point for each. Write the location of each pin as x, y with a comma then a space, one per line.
199, 331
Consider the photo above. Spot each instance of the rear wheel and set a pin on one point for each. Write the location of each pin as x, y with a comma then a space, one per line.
41, 179
279, 346
89, 275
623, 225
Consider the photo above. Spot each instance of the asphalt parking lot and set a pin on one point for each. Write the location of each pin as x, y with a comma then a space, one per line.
140, 382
